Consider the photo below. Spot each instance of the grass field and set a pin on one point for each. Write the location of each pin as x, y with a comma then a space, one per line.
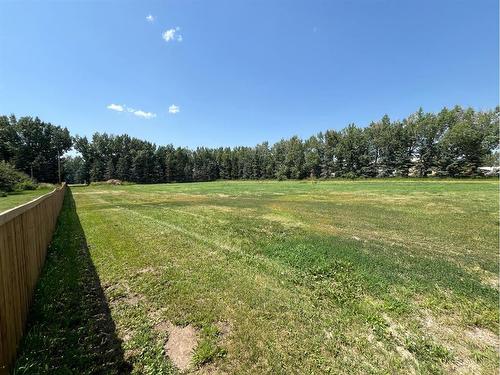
358, 277
19, 197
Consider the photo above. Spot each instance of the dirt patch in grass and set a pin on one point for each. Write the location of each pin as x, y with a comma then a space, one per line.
283, 220
489, 279
483, 337
180, 344
467, 351
148, 270
211, 207
394, 331
127, 335
121, 293
164, 327
133, 299
224, 328
465, 367
130, 354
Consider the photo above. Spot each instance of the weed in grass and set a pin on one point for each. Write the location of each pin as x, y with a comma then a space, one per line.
206, 352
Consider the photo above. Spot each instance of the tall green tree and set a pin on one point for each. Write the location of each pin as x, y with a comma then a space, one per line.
39, 148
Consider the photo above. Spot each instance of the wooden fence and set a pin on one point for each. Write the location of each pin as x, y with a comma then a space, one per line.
25, 233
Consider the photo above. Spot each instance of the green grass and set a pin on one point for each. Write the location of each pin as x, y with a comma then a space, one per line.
19, 197
358, 277
70, 326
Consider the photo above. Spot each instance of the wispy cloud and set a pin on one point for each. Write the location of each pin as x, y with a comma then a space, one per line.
137, 112
150, 18
115, 107
173, 109
143, 114
172, 35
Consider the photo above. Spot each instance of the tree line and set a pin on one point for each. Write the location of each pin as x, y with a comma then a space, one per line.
33, 146
450, 143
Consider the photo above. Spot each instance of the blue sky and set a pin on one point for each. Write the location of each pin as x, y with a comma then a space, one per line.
242, 72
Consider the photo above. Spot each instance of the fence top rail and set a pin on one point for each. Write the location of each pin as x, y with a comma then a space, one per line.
10, 214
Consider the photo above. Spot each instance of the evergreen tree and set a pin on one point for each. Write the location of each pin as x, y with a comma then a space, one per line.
452, 142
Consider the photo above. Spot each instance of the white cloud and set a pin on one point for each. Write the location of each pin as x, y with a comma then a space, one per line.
143, 114
137, 112
150, 18
115, 107
172, 34
169, 35
173, 109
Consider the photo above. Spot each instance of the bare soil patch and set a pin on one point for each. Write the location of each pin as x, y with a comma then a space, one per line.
121, 293
484, 337
180, 344
224, 328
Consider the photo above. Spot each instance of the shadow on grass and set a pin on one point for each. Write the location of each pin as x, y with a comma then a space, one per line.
70, 328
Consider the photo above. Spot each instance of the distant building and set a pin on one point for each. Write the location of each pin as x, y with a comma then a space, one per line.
490, 171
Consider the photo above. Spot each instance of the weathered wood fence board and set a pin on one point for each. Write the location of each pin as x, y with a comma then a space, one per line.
25, 234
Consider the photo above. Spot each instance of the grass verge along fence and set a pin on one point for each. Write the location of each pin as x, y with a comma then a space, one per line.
25, 233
